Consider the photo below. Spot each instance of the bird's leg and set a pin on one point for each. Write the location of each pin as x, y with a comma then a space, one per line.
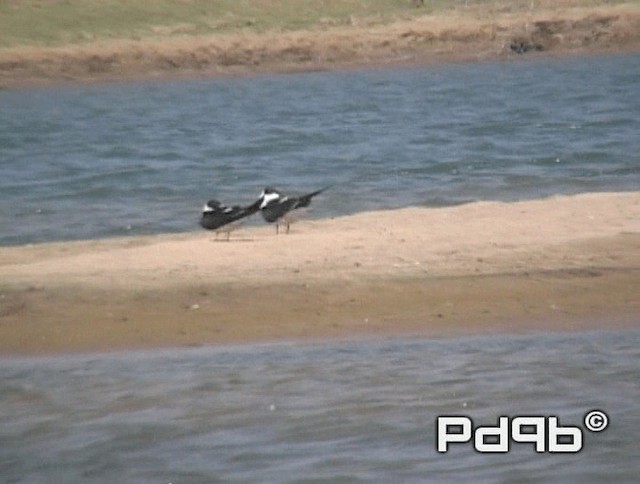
277, 228
228, 235
287, 220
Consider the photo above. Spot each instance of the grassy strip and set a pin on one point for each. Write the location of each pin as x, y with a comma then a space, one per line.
59, 22
64, 22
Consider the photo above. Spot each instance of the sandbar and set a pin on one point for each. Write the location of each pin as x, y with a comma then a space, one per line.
555, 264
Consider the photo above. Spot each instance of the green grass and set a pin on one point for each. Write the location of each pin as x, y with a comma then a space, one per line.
55, 22
60, 22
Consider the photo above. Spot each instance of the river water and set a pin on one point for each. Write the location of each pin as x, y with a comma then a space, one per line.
90, 161
331, 412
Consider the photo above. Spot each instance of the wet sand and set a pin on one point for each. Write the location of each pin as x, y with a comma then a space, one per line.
457, 34
562, 263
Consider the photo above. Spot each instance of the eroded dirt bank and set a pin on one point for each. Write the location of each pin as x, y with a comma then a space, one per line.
458, 35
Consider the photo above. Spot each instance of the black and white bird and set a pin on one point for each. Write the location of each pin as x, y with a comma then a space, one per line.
219, 217
275, 207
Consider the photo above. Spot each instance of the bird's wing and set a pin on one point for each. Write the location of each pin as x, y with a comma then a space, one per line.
224, 215
214, 219
254, 207
305, 200
277, 208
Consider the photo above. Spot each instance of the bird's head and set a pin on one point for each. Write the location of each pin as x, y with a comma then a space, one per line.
269, 195
211, 206
269, 191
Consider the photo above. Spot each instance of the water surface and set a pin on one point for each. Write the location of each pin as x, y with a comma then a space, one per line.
338, 412
114, 159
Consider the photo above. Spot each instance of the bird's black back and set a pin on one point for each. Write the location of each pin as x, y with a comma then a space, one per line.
221, 215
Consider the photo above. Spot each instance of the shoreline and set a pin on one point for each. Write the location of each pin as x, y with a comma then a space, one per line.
565, 263
456, 35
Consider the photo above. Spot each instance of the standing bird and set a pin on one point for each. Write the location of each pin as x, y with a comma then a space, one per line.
274, 206
220, 218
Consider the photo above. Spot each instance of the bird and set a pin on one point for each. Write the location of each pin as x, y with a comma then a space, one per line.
274, 206
219, 217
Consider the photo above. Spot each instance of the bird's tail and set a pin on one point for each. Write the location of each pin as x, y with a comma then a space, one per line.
305, 200
254, 207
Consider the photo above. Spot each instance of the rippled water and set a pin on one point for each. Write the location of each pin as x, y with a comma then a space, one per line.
104, 160
341, 411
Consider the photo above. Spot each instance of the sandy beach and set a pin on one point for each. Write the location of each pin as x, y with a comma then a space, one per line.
461, 33
562, 263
